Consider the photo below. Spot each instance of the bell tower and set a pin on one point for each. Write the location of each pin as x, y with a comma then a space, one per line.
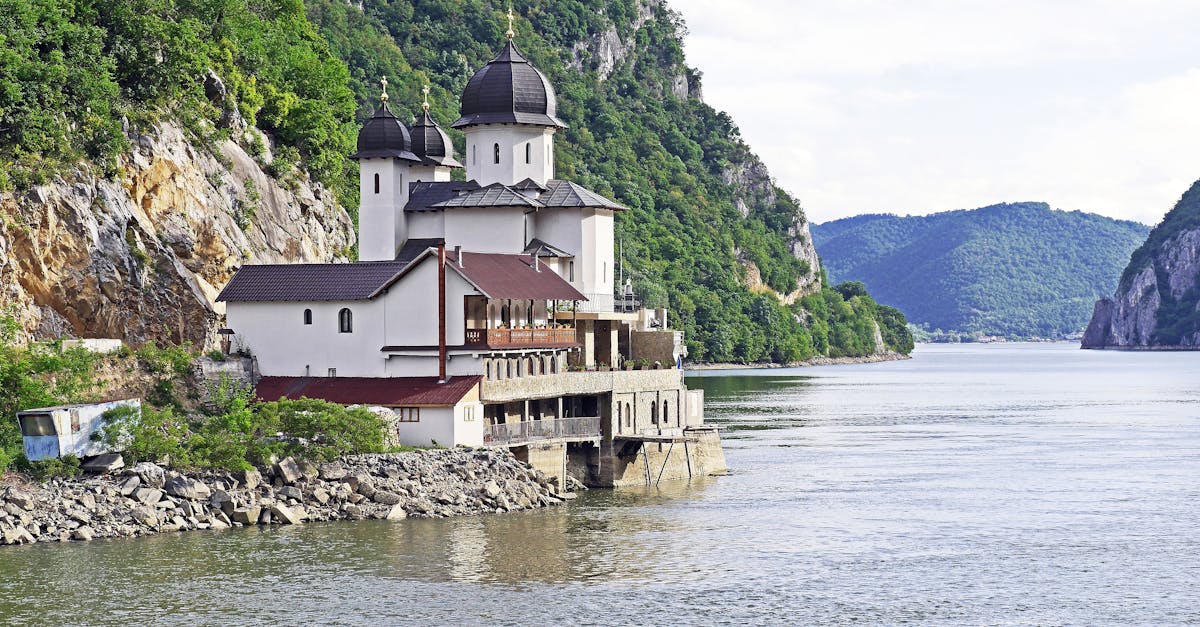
384, 160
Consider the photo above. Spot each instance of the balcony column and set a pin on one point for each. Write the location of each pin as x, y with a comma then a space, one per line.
558, 412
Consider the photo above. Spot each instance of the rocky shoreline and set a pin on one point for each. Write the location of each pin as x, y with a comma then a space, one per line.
148, 499
816, 361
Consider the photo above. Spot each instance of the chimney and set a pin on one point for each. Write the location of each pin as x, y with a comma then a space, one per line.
441, 312
458, 255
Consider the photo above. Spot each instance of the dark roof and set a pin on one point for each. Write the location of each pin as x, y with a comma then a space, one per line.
509, 90
562, 193
529, 184
315, 282
424, 195
494, 195
431, 144
512, 276
397, 391
384, 136
545, 250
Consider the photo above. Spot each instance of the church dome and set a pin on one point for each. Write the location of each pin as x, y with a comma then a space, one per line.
384, 136
509, 90
431, 144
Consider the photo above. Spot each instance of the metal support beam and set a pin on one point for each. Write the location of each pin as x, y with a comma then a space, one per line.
664, 464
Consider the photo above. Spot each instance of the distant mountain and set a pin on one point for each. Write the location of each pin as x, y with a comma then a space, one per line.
1157, 304
1016, 270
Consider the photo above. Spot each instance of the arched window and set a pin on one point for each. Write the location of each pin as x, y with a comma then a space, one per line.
504, 314
529, 152
376, 182
653, 412
345, 321
307, 316
474, 156
618, 414
666, 413
495, 153
628, 414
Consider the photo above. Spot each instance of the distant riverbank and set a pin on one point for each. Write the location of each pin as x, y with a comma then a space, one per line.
816, 361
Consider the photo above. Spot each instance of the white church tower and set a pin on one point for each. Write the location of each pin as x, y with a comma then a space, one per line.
508, 116
385, 159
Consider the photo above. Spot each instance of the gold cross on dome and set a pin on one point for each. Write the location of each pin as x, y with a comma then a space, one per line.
425, 91
383, 97
510, 33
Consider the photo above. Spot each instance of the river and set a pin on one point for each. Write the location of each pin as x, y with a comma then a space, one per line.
999, 484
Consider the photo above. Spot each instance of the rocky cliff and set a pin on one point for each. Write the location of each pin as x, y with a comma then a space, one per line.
1157, 304
142, 256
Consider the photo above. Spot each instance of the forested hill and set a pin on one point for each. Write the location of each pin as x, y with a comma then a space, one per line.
1017, 270
267, 96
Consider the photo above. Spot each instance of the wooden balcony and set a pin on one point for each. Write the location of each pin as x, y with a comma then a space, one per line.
520, 337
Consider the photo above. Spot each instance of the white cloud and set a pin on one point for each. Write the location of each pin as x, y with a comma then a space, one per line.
921, 106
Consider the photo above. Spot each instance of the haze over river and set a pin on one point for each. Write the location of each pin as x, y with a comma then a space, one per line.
1007, 484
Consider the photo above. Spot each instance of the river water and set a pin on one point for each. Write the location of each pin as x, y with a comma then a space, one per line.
1001, 484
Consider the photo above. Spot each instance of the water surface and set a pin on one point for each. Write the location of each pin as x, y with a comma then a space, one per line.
1003, 484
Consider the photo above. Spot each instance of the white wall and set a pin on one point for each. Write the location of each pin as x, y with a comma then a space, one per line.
587, 234
381, 223
486, 230
449, 426
512, 139
275, 333
426, 224
420, 173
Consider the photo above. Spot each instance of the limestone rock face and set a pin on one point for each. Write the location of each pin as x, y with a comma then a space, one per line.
1144, 311
142, 255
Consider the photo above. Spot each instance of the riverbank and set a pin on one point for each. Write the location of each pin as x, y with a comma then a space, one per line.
816, 361
148, 499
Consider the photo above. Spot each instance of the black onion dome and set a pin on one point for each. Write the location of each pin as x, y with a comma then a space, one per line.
384, 136
431, 144
509, 90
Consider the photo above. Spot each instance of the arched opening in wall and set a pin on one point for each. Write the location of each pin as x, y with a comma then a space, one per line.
488, 369
628, 414
618, 414
495, 153
504, 315
529, 152
474, 155
376, 182
653, 413
345, 321
666, 408
307, 316
508, 368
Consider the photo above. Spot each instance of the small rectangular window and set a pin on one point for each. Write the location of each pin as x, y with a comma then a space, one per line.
74, 422
469, 413
333, 372
572, 271
37, 424
408, 414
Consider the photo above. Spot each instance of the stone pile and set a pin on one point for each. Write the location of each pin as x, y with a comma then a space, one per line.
149, 499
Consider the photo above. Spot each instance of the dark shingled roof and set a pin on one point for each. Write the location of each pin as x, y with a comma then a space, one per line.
392, 392
512, 276
494, 195
384, 136
424, 195
316, 282
545, 250
509, 90
567, 194
431, 144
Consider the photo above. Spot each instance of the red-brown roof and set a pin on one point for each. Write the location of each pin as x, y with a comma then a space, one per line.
512, 276
392, 391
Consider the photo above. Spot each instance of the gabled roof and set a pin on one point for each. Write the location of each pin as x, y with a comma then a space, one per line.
512, 276
317, 282
423, 195
562, 193
528, 184
494, 195
393, 392
545, 250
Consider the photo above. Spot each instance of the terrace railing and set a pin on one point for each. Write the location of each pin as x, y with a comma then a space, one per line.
514, 433
519, 337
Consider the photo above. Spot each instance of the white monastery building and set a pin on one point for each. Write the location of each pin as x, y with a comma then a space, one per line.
484, 312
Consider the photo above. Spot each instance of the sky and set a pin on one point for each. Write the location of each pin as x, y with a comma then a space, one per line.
920, 106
